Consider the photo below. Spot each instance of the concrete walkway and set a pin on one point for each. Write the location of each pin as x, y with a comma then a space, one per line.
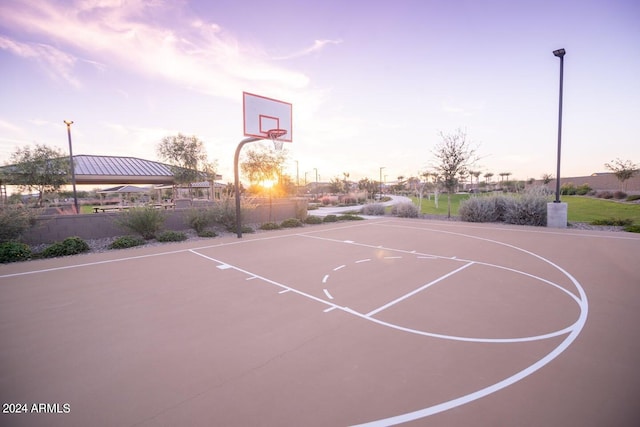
337, 210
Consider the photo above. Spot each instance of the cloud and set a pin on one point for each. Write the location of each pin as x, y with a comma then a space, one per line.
55, 62
127, 35
317, 46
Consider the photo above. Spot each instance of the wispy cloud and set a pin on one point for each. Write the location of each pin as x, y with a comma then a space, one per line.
55, 62
119, 34
317, 46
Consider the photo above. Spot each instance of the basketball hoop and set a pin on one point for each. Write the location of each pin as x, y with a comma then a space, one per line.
274, 134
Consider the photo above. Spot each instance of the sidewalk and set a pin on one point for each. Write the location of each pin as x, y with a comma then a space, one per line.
337, 210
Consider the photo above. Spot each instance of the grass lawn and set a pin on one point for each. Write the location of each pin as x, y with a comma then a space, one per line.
580, 208
429, 206
587, 209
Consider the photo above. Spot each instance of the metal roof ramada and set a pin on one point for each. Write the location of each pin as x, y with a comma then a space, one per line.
119, 166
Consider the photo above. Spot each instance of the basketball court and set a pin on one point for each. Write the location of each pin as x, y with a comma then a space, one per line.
375, 322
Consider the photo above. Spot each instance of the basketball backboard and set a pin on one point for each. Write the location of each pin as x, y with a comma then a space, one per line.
262, 114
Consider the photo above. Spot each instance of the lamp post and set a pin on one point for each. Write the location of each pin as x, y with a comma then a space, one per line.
560, 54
316, 169
73, 171
382, 167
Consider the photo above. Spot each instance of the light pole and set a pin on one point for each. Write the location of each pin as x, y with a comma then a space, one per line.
382, 167
560, 54
73, 170
316, 169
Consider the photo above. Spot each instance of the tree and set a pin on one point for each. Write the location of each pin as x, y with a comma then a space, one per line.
261, 164
487, 177
546, 178
369, 186
453, 157
623, 170
39, 168
187, 157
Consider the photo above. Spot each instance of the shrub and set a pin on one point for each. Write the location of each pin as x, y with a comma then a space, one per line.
171, 236
15, 220
326, 200
311, 219
330, 218
224, 212
69, 246
269, 226
604, 195
145, 221
207, 233
619, 195
479, 209
618, 222
291, 223
373, 209
14, 251
349, 217
124, 242
633, 197
568, 189
583, 190
405, 210
632, 228
199, 218
528, 209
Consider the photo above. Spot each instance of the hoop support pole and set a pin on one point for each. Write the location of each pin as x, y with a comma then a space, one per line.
236, 176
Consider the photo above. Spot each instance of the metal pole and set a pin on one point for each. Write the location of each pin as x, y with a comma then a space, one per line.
382, 167
560, 54
73, 170
236, 176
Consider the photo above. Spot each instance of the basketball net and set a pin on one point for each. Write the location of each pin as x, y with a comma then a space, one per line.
274, 134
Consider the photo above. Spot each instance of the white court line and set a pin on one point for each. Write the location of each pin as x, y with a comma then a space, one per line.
415, 291
363, 260
339, 267
325, 278
326, 292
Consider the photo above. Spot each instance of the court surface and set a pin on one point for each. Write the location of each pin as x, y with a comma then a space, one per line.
384, 321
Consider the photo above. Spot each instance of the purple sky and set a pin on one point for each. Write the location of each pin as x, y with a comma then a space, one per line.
372, 83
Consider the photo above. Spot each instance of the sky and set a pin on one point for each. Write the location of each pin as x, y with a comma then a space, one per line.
373, 84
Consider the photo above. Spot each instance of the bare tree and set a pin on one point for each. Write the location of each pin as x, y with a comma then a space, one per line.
454, 154
546, 178
623, 170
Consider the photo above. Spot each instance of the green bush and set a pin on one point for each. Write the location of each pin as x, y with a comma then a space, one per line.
312, 219
568, 189
171, 236
349, 217
14, 251
618, 222
200, 218
69, 246
207, 233
124, 242
330, 218
633, 197
146, 221
405, 210
634, 228
373, 209
583, 190
14, 221
291, 223
269, 226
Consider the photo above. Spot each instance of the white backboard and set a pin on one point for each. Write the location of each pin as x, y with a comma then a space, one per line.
262, 114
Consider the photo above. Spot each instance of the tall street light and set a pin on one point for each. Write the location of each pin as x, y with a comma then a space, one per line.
73, 171
382, 167
560, 54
